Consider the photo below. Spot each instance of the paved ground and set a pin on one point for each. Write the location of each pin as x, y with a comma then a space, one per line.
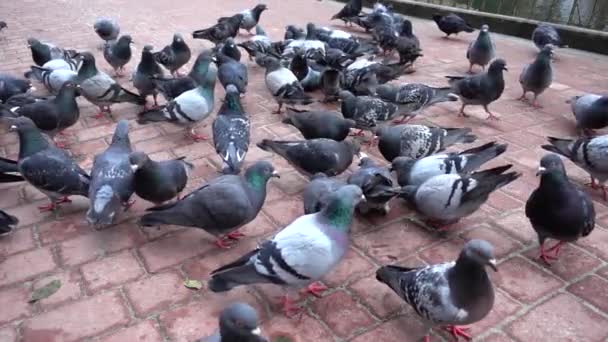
125, 283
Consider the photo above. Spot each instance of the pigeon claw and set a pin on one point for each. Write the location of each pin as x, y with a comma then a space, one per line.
128, 204
195, 136
544, 254
224, 243
289, 307
458, 332
316, 289
235, 235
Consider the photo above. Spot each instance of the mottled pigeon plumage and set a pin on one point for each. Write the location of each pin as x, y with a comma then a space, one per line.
482, 50
377, 186
319, 124
414, 98
366, 111
158, 181
231, 131
537, 76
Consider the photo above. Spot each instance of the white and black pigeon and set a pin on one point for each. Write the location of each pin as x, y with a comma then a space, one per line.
8, 223
445, 199
452, 24
231, 71
545, 34
482, 51
588, 153
259, 43
315, 155
310, 45
111, 179
239, 322
107, 29
283, 84
146, 70
251, 17
231, 131
309, 78
418, 141
319, 123
46, 167
451, 294
349, 11
558, 209
413, 98
537, 76
174, 56
171, 87
377, 186
190, 107
317, 192
590, 112
118, 53
11, 86
300, 254
9, 171
481, 89
219, 207
415, 172
158, 181
43, 52
366, 111
56, 72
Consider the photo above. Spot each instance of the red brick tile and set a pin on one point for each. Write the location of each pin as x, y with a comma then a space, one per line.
15, 302
444, 252
291, 183
497, 337
350, 268
342, 314
260, 226
161, 143
26, 265
283, 212
175, 249
111, 271
571, 264
398, 210
144, 332
69, 290
382, 301
156, 293
503, 245
593, 290
596, 242
8, 334
18, 241
397, 330
301, 329
523, 281
195, 150
68, 227
518, 226
503, 202
29, 213
503, 308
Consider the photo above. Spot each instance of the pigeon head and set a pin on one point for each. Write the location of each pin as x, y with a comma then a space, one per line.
551, 164
258, 174
406, 29
178, 38
485, 28
232, 101
292, 32
125, 40
121, 134
497, 66
386, 91
88, 62
240, 322
203, 71
70, 90
437, 17
148, 48
270, 63
105, 205
311, 31
402, 163
547, 51
479, 252
345, 95
2, 24
33, 42
138, 160
341, 205
259, 8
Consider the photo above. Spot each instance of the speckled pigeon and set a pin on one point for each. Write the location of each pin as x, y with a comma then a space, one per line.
174, 87
319, 124
158, 181
413, 98
238, 322
174, 56
452, 24
377, 186
349, 11
283, 84
231, 130
537, 76
482, 50
366, 111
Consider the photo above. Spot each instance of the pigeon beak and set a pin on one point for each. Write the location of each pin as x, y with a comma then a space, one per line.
257, 331
362, 155
275, 174
12, 128
540, 171
492, 264
505, 69
134, 167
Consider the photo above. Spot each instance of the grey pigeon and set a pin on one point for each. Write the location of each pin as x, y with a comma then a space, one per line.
377, 186
191, 106
537, 76
418, 141
413, 98
220, 207
10, 86
310, 45
106, 28
545, 34
315, 155
452, 24
47, 168
330, 84
283, 84
118, 53
349, 11
3, 25
309, 78
558, 209
259, 43
251, 17
8, 223
55, 73
300, 254
44, 52
481, 89
408, 45
448, 294
319, 124
229, 48
482, 50
383, 72
317, 192
9, 171
366, 111
226, 27
174, 56
174, 87
231, 130
415, 172
239, 322
111, 179
590, 111
100, 89
445, 199
362, 81
158, 181
146, 70
588, 153
231, 71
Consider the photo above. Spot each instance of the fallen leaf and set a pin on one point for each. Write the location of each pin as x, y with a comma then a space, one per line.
193, 284
45, 291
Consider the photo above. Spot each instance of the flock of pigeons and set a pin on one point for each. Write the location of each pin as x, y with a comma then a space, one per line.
441, 187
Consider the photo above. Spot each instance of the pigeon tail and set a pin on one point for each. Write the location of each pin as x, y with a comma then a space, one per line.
443, 94
131, 97
36, 72
232, 159
239, 272
152, 115
559, 146
459, 135
482, 154
391, 275
468, 29
273, 146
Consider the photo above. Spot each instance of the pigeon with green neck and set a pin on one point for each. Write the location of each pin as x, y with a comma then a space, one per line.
231, 130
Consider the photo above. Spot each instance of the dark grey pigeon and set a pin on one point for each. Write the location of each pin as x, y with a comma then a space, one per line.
349, 11
219, 207
415, 172
590, 112
537, 76
418, 141
558, 209
8, 223
317, 192
230, 49
226, 27
361, 81
239, 322
9, 171
111, 179
448, 294
481, 89
46, 167
231, 131
452, 24
408, 45
231, 71
482, 50
158, 181
545, 34
118, 53
377, 186
251, 17
319, 124
366, 111
315, 155
174, 56
174, 87
260, 43
300, 254
413, 98
309, 78
106, 28
44, 52
330, 84
283, 84
146, 70
11, 86
445, 199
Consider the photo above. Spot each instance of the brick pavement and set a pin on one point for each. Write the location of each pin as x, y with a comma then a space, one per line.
125, 283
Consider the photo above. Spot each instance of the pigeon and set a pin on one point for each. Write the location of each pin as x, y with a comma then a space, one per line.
258, 43
384, 72
366, 111
377, 186
238, 322
224, 28
158, 181
146, 70
319, 124
310, 46
330, 84
590, 111
10, 86
231, 130
537, 76
482, 50
8, 223
100, 89
545, 34
111, 179
230, 49
47, 168
55, 73
452, 24
350, 10
588, 153
118, 53
315, 155
445, 199
407, 44
3, 25
413, 98
251, 17
309, 78
107, 29
44, 52
558, 209
300, 254
317, 192
174, 87
292, 32
231, 71
418, 141
191, 106
481, 89
9, 171
415, 172
450, 294
220, 207
20, 100
283, 84
174, 56
361, 81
